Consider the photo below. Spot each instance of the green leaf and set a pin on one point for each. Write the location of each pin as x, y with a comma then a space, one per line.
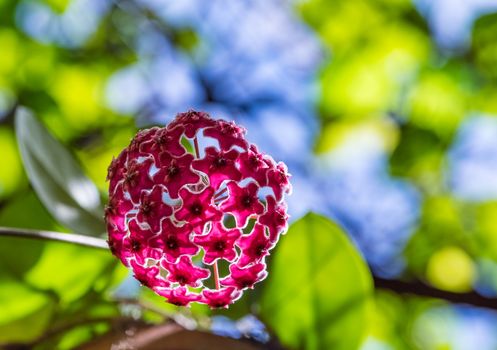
319, 289
14, 215
57, 177
25, 311
68, 269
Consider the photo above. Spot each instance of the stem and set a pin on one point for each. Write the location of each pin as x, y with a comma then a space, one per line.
73, 238
216, 275
195, 143
415, 287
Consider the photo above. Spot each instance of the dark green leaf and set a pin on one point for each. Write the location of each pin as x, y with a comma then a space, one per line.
57, 177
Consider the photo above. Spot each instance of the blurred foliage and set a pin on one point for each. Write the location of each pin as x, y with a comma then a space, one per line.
383, 73
385, 65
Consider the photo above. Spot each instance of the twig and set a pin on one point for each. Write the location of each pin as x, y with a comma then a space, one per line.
55, 236
415, 287
418, 288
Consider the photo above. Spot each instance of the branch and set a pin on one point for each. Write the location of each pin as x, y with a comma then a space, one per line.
415, 287
55, 236
418, 288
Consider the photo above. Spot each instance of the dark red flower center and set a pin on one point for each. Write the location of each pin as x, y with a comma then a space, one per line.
245, 282
218, 304
196, 209
255, 162
228, 128
182, 279
220, 162
247, 200
146, 207
260, 249
160, 139
130, 178
173, 170
135, 245
172, 243
219, 246
280, 217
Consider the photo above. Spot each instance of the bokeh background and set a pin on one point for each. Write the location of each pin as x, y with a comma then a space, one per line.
385, 112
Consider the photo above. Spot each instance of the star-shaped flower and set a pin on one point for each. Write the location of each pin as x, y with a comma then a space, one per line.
152, 208
179, 296
164, 140
228, 134
252, 164
136, 177
117, 208
174, 241
219, 243
242, 202
184, 272
115, 172
254, 246
148, 276
242, 278
192, 121
137, 245
175, 172
275, 218
278, 180
220, 298
218, 165
197, 208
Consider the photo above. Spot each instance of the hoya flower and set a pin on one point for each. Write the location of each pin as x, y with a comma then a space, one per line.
219, 243
243, 202
254, 247
221, 298
245, 277
190, 195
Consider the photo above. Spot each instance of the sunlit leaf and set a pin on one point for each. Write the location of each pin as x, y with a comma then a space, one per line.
25, 311
11, 171
78, 91
318, 290
419, 156
11, 50
337, 133
438, 102
441, 225
69, 270
452, 269
57, 5
57, 178
486, 229
14, 215
485, 45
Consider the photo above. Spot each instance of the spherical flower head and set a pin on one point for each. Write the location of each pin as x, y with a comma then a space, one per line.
187, 196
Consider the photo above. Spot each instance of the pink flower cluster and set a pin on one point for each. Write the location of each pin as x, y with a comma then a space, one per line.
189, 196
